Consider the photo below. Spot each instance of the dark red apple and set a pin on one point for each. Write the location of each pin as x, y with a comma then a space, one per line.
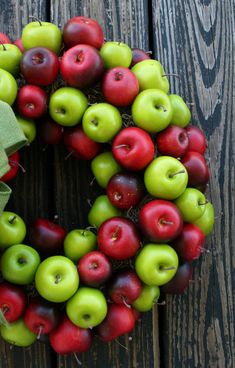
197, 139
81, 146
94, 269
80, 30
41, 317
198, 172
31, 101
125, 190
46, 236
39, 66
180, 281
118, 238
190, 243
120, 86
13, 301
160, 220
13, 161
4, 38
81, 66
124, 287
172, 141
19, 44
138, 55
133, 148
69, 338
119, 321
49, 131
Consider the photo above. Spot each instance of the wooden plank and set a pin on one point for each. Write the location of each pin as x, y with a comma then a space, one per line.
127, 21
30, 190
195, 39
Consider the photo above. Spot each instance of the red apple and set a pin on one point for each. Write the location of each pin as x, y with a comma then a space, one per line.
13, 301
119, 321
198, 172
120, 86
197, 139
125, 287
94, 269
160, 221
19, 44
49, 131
172, 141
133, 148
118, 238
180, 281
4, 38
80, 30
81, 66
31, 101
138, 55
13, 161
81, 146
39, 66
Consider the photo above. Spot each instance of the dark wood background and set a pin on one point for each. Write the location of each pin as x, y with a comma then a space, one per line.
195, 39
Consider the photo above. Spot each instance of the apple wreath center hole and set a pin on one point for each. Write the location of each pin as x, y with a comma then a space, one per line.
86, 317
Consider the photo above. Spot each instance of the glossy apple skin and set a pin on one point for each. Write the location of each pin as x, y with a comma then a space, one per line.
17, 333
173, 141
160, 221
10, 57
19, 44
118, 238
138, 55
119, 321
8, 87
125, 190
189, 243
12, 229
181, 113
13, 161
180, 281
13, 301
116, 54
104, 166
197, 139
94, 269
81, 66
133, 148
198, 172
31, 101
152, 110
147, 298
46, 236
82, 30
29, 128
79, 242
206, 221
160, 179
39, 66
102, 210
68, 338
124, 287
41, 317
191, 204
4, 38
120, 86
81, 146
49, 131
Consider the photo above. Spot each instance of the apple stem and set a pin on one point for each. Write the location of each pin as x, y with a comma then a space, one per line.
92, 182
171, 75
68, 155
89, 202
115, 234
15, 163
77, 360
125, 303
3, 320
178, 172
36, 19
161, 106
149, 52
123, 145
3, 46
12, 219
121, 344
94, 121
161, 303
89, 228
40, 332
165, 222
57, 279
168, 268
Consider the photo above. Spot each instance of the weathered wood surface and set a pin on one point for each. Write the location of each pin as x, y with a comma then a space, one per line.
194, 39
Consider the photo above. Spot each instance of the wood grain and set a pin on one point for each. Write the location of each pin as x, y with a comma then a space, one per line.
195, 39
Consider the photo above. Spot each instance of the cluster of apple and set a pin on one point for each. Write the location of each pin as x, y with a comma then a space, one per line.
154, 215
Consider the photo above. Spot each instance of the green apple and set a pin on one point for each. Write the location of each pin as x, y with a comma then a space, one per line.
42, 34
116, 54
166, 177
101, 211
192, 204
87, 308
151, 74
148, 297
17, 333
104, 166
206, 221
29, 128
57, 279
152, 110
12, 229
8, 87
79, 242
181, 113
19, 264
156, 264
67, 106
101, 122
10, 57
